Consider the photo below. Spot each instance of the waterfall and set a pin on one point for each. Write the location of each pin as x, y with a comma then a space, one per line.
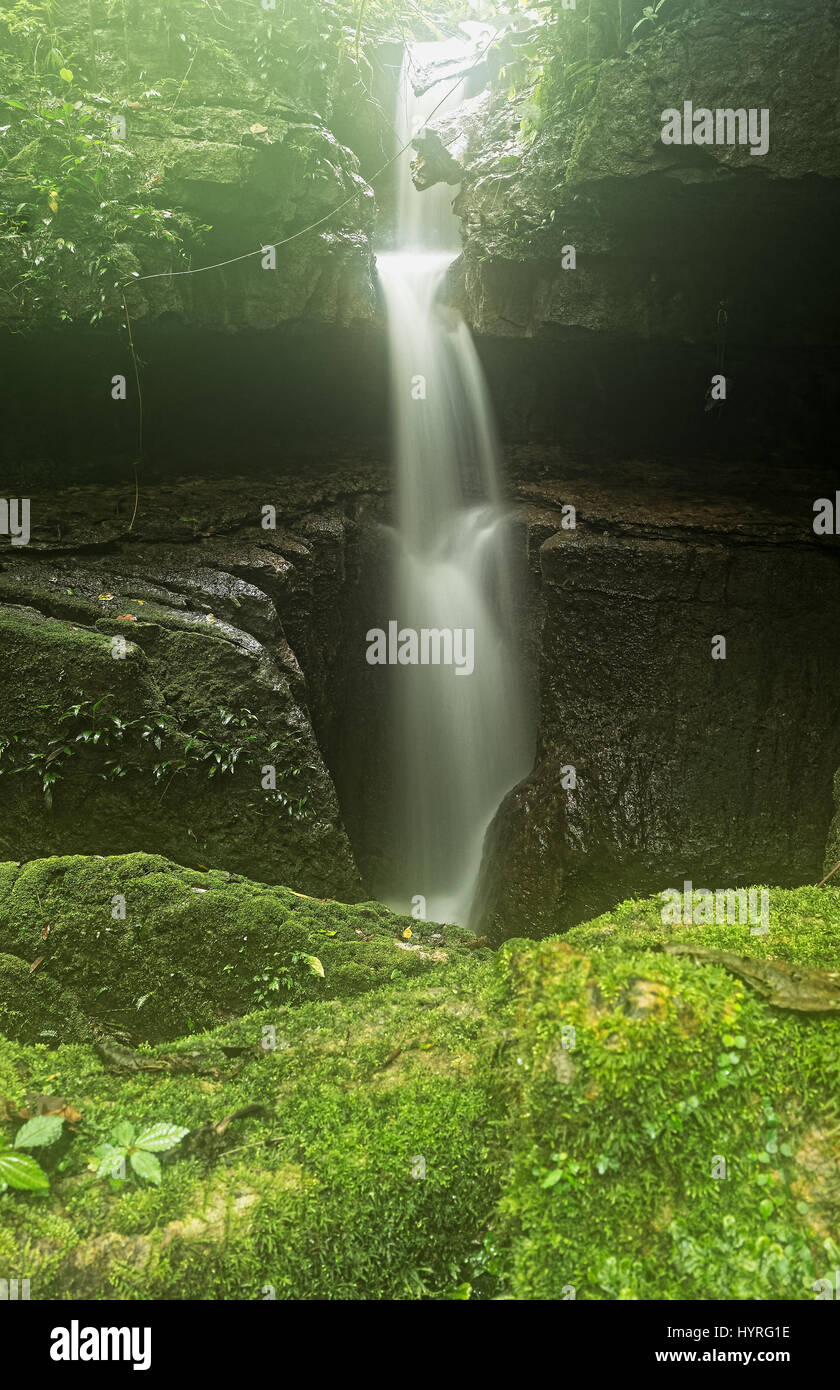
462, 740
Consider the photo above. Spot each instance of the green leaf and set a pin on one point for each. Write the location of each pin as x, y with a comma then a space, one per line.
65, 74
157, 1138
146, 1166
43, 1130
314, 965
112, 1161
21, 1171
766, 1208
124, 1133
552, 1178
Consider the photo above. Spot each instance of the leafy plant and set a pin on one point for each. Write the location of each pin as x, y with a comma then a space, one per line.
139, 1151
650, 15
272, 980
566, 1172
20, 1170
235, 739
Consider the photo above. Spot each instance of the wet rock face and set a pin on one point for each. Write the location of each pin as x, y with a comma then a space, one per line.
662, 232
152, 684
270, 184
832, 854
657, 762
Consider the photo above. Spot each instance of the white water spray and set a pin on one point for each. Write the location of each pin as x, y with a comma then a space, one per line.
461, 744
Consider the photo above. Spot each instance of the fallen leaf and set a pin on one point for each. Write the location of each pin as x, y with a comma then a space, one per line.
314, 965
45, 931
407, 934
105, 598
52, 1105
39, 960
126, 618
258, 129
11, 1112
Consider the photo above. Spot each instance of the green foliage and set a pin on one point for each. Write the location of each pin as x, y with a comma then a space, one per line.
284, 978
70, 185
92, 732
79, 208
139, 1151
650, 15
552, 66
39, 1132
19, 1170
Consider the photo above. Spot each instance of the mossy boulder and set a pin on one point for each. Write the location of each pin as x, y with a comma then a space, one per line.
152, 950
450, 1135
683, 1146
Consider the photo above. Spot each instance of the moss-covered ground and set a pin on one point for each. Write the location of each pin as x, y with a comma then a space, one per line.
582, 1116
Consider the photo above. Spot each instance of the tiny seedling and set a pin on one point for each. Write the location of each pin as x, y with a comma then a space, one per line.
139, 1151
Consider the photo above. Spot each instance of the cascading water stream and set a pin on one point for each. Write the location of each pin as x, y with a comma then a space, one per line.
462, 739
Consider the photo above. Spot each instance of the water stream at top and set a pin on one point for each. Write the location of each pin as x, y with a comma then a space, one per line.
461, 740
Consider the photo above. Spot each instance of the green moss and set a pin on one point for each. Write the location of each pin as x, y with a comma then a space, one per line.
193, 948
554, 1160
315, 1198
34, 1008
804, 926
675, 1066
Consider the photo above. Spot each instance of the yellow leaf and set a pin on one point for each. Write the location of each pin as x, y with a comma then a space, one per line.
105, 598
314, 965
407, 934
53, 199
258, 129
